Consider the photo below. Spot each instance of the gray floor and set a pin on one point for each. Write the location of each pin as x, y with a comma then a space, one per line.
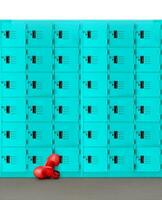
76, 189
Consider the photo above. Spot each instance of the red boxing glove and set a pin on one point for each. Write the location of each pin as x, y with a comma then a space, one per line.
39, 172
53, 160
44, 172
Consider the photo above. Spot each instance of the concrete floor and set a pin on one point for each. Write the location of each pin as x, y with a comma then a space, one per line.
77, 189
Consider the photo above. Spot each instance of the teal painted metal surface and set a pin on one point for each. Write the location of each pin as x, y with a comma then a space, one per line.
87, 90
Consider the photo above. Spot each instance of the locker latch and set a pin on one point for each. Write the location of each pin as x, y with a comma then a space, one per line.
34, 84
142, 159
142, 34
34, 109
115, 84
60, 134
34, 134
115, 109
142, 109
8, 135
89, 34
89, 109
60, 34
89, 134
34, 59
60, 109
141, 84
7, 59
7, 109
142, 134
142, 59
60, 59
89, 158
61, 159
60, 84
115, 159
116, 134
7, 84
89, 84
89, 59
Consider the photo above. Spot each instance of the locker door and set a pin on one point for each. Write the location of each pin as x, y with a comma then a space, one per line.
13, 60
66, 85
95, 134
66, 34
66, 134
13, 85
94, 84
148, 110
40, 60
121, 134
148, 159
148, 34
95, 160
69, 159
121, 109
121, 60
39, 34
66, 109
40, 84
13, 34
94, 34
37, 157
121, 34
13, 159
121, 159
13, 134
13, 110
121, 84
148, 134
39, 134
148, 85
148, 59
40, 109
94, 59
95, 110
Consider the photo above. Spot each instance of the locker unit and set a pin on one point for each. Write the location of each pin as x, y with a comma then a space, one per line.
90, 91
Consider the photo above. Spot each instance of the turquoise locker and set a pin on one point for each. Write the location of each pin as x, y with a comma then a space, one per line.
39, 134
13, 159
95, 134
121, 134
94, 85
148, 110
66, 85
118, 84
69, 159
13, 85
95, 159
13, 110
13, 34
94, 34
39, 34
148, 84
148, 59
148, 159
13, 60
121, 109
121, 34
121, 159
40, 109
39, 84
66, 59
147, 34
37, 156
66, 35
13, 134
66, 110
94, 59
95, 110
121, 59
39, 59
147, 134
66, 134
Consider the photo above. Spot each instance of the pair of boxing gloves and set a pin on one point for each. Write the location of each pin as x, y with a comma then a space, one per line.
48, 170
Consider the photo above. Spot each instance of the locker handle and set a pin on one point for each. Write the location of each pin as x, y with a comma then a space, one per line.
60, 34
116, 135
7, 109
142, 60
142, 134
60, 134
60, 109
142, 109
34, 59
115, 34
7, 59
142, 34
89, 84
34, 35
89, 60
60, 84
34, 134
8, 159
61, 159
141, 84
89, 159
34, 159
60, 59
115, 159
34, 109
89, 34
8, 134
34, 84
142, 159
89, 109
7, 34
115, 59
115, 84
115, 109
89, 134
7, 84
